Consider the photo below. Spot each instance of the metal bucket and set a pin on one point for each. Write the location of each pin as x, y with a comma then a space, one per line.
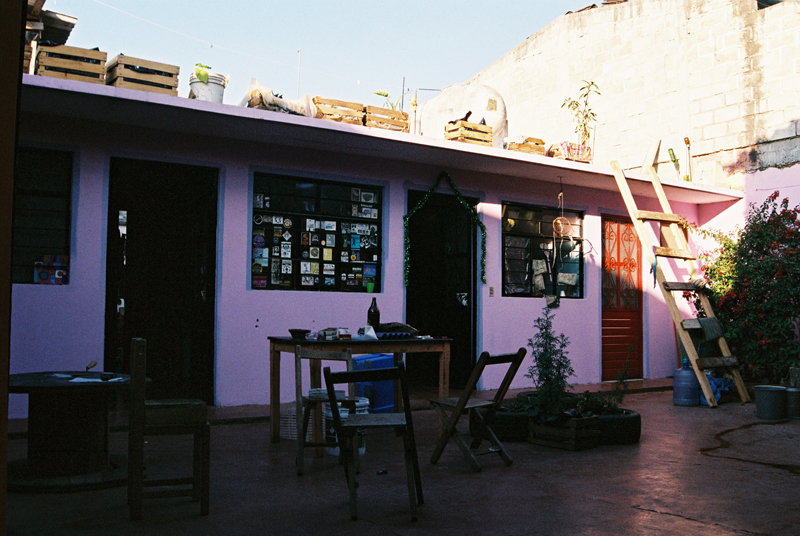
770, 402
685, 387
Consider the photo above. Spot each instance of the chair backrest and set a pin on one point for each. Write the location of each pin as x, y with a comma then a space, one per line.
396, 374
513, 360
138, 383
316, 357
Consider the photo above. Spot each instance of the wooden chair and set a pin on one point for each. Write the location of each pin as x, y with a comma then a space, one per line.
306, 404
451, 409
164, 417
348, 429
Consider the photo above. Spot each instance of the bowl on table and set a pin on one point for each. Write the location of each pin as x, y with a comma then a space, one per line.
299, 333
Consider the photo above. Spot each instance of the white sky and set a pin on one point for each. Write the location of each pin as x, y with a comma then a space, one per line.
349, 48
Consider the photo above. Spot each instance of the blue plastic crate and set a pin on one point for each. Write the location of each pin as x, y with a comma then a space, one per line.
380, 394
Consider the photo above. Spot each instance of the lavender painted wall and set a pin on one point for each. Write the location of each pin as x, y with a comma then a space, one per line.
73, 332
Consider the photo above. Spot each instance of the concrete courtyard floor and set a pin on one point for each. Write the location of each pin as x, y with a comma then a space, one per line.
696, 471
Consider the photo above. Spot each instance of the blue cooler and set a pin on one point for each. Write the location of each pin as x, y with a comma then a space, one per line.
380, 394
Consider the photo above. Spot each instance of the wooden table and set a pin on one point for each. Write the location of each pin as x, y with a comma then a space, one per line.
67, 429
398, 347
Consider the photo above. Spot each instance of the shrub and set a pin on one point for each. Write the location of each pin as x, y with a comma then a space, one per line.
551, 365
754, 281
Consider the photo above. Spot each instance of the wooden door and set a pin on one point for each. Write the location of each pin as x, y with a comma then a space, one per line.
160, 276
440, 297
622, 299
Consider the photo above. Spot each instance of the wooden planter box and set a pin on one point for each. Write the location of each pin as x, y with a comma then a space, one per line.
469, 133
340, 111
575, 433
72, 63
386, 118
134, 73
530, 145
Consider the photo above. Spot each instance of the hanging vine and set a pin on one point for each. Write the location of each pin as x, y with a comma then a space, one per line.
473, 216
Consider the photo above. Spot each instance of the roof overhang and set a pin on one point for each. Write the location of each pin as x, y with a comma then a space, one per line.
95, 102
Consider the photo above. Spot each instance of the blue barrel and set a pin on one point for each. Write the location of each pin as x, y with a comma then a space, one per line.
686, 389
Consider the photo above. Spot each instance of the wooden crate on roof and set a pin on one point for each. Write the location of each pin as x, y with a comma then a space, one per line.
385, 118
72, 63
134, 73
469, 133
530, 145
340, 111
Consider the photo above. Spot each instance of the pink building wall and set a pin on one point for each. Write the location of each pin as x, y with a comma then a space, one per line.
62, 328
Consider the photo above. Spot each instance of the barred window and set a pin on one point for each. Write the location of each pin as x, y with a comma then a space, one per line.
542, 251
42, 216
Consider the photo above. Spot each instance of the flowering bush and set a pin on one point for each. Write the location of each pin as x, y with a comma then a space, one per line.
754, 277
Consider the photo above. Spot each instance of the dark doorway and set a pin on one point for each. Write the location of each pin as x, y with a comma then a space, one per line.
162, 221
622, 332
440, 297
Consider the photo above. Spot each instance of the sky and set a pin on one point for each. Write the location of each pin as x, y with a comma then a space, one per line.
344, 50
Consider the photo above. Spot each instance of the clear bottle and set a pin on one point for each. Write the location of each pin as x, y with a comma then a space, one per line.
374, 315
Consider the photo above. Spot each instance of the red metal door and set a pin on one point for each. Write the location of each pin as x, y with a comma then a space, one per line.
622, 299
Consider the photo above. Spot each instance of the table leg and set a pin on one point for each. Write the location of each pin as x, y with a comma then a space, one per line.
275, 392
444, 372
315, 368
398, 396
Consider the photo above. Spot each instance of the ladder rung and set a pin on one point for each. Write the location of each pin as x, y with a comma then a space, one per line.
674, 253
678, 286
723, 361
666, 217
691, 323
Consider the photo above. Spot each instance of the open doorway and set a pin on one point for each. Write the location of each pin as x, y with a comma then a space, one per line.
160, 276
440, 297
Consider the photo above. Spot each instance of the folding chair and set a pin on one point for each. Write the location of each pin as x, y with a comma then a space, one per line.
348, 429
164, 417
306, 404
450, 410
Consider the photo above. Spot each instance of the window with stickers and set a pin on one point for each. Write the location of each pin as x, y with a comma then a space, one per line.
542, 251
315, 235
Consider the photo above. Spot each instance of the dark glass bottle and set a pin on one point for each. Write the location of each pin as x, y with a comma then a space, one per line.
374, 314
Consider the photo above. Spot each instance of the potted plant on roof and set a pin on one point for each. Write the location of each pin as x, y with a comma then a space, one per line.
551, 422
583, 116
206, 86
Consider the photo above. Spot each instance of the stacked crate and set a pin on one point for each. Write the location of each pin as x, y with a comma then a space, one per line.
385, 118
134, 73
340, 111
72, 63
530, 145
469, 133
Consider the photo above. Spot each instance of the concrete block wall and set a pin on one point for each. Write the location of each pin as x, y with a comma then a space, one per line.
721, 72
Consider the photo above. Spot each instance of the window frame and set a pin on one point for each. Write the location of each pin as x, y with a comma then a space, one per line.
351, 211
532, 238
51, 264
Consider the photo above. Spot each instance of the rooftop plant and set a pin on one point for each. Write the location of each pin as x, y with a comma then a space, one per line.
582, 114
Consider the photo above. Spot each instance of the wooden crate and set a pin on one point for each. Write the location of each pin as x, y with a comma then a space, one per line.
530, 145
72, 63
134, 73
386, 118
340, 111
576, 433
469, 133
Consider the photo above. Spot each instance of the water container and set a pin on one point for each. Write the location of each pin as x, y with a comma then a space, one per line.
362, 406
685, 387
770, 402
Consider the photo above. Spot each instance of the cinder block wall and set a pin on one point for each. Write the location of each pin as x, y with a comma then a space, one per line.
722, 72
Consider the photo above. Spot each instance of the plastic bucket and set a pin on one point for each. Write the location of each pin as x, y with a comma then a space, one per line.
362, 406
770, 402
212, 91
793, 403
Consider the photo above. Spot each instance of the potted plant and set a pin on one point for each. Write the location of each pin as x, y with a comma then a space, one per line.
550, 421
206, 86
618, 426
583, 117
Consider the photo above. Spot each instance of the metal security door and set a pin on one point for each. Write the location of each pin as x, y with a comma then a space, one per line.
622, 299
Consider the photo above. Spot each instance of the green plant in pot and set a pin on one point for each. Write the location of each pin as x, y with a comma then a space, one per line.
618, 426
583, 116
551, 367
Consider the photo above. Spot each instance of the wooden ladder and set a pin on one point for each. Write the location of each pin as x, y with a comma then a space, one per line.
676, 247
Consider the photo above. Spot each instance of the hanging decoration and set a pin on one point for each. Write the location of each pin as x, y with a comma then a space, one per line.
473, 216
